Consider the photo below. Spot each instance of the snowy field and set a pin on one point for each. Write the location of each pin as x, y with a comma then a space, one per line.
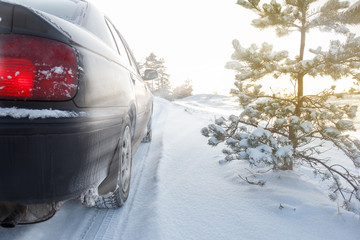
181, 192
351, 100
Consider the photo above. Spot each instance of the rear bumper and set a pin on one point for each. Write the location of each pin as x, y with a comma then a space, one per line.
54, 159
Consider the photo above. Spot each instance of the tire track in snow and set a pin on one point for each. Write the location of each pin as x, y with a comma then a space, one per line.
113, 225
105, 224
89, 225
135, 220
142, 224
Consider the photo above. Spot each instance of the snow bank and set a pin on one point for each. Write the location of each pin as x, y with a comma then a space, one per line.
214, 104
200, 199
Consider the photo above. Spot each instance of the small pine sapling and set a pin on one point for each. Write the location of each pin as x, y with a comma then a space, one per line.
280, 130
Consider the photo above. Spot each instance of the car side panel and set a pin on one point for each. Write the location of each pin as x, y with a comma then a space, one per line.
143, 101
103, 82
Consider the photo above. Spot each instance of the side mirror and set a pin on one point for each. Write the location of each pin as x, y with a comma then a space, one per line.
150, 74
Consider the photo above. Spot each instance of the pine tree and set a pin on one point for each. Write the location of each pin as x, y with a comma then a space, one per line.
283, 129
161, 85
183, 91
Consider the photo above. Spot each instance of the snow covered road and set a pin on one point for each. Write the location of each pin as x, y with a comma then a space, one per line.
180, 191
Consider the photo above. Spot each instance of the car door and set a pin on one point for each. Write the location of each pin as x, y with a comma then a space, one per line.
142, 93
143, 98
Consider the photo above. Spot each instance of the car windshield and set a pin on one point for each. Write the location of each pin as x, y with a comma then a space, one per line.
70, 10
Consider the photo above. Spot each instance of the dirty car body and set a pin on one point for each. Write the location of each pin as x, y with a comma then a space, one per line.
69, 85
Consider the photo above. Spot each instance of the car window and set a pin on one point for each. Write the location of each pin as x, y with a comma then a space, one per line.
132, 61
70, 10
128, 52
111, 36
119, 43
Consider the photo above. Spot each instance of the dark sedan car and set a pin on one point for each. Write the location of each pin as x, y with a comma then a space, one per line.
73, 109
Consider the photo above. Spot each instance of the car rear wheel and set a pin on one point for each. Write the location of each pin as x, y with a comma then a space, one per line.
116, 198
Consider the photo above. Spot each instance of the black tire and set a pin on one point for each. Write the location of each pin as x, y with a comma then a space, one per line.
116, 198
148, 136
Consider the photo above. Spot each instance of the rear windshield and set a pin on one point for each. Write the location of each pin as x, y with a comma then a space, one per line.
70, 10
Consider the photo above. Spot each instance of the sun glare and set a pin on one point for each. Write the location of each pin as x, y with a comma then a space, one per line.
194, 38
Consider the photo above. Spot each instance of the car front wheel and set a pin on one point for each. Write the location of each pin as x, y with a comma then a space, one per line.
148, 136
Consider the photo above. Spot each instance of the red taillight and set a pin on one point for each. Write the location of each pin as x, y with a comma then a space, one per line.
16, 77
34, 68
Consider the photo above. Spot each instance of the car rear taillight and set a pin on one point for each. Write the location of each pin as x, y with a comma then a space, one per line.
34, 68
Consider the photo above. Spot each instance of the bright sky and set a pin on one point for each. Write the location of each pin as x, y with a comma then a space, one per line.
193, 36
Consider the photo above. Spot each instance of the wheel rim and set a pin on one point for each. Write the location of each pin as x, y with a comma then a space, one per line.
126, 160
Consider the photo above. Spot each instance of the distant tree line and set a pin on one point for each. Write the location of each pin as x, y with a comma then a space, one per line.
161, 86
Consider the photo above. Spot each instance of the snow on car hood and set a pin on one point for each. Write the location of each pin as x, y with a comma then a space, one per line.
38, 113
